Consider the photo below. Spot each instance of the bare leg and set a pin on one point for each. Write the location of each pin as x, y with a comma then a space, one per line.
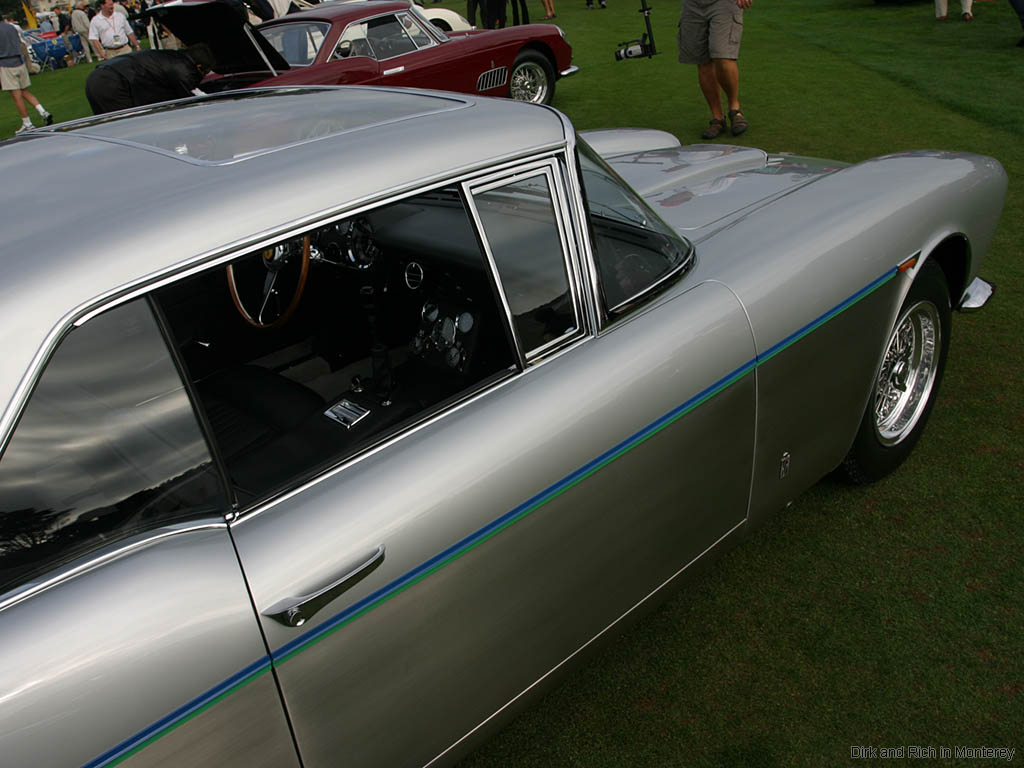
31, 99
727, 74
19, 103
709, 87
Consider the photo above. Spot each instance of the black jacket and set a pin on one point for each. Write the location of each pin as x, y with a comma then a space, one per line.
153, 76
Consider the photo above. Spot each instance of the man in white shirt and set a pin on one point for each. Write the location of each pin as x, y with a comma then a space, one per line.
110, 33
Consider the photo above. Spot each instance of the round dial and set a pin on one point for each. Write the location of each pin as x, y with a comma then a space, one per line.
465, 322
453, 357
429, 312
443, 333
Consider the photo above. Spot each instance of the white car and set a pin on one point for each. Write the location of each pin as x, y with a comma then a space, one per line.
442, 18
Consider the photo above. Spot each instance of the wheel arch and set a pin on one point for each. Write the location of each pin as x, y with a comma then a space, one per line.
953, 255
545, 51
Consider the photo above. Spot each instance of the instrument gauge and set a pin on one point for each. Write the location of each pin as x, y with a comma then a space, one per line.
429, 312
447, 331
465, 322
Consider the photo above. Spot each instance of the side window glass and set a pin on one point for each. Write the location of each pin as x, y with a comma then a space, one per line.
332, 340
635, 250
388, 37
297, 43
415, 32
521, 228
107, 447
353, 42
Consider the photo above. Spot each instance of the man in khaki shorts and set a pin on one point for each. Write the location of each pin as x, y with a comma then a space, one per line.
709, 36
14, 76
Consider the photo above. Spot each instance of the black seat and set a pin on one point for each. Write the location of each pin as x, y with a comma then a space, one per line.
249, 407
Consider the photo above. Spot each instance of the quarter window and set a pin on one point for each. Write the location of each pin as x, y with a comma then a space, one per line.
635, 250
108, 447
524, 238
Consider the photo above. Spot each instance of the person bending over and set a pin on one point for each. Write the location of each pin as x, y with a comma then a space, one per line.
147, 77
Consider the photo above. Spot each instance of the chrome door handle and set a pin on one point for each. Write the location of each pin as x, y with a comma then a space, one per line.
295, 611
393, 71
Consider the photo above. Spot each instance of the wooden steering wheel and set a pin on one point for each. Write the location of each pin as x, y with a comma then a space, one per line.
291, 257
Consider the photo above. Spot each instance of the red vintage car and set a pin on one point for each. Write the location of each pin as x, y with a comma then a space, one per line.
379, 42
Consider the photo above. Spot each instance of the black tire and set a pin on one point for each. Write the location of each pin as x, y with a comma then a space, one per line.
532, 78
907, 382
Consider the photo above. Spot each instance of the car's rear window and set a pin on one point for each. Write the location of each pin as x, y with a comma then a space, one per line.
297, 43
239, 124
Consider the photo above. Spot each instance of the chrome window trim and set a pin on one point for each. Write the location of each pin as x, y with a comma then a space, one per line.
606, 316
270, 502
100, 557
367, 20
412, 17
549, 169
495, 277
297, 23
437, 33
220, 256
623, 307
582, 221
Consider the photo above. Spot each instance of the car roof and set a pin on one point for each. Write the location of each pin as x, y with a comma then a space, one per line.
99, 209
341, 10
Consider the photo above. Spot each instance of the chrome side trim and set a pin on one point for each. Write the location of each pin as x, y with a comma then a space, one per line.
586, 645
102, 557
976, 295
570, 71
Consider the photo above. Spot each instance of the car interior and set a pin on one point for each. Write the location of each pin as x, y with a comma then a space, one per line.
331, 340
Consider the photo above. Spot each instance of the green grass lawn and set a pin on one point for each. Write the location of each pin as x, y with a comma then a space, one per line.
886, 615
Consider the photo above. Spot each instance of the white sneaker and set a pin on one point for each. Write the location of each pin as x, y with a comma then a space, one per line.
23, 129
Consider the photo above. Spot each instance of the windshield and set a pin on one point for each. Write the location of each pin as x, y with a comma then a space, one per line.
634, 249
298, 43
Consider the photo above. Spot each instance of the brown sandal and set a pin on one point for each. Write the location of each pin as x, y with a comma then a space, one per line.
739, 122
715, 129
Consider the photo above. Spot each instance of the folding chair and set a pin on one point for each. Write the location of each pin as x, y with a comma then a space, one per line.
77, 47
57, 53
60, 51
43, 55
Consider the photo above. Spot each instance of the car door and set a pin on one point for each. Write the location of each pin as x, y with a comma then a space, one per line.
411, 57
414, 590
127, 634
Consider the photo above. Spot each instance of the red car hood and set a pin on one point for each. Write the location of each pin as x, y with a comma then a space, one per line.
224, 26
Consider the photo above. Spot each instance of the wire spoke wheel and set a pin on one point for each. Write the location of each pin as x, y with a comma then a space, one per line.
907, 382
533, 78
908, 373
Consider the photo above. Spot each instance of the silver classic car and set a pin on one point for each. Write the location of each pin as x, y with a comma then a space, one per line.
321, 450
